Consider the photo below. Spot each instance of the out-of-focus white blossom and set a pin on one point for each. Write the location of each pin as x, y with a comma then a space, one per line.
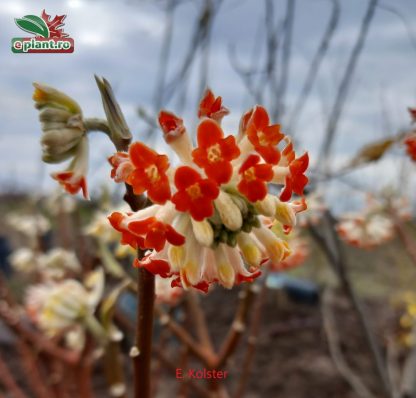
366, 231
61, 307
24, 260
57, 262
31, 226
58, 203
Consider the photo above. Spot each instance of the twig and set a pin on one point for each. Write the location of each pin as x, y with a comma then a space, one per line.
407, 240
337, 262
238, 326
279, 108
252, 340
343, 89
393, 369
200, 352
334, 347
32, 371
198, 318
7, 379
314, 68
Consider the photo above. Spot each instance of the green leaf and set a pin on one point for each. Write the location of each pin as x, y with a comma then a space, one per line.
33, 24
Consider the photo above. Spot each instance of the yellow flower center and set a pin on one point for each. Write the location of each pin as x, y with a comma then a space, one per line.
250, 174
263, 141
214, 153
152, 173
194, 191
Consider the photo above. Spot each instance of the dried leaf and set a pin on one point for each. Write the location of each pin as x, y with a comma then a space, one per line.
372, 152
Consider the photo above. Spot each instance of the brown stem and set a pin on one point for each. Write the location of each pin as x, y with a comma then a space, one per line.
238, 326
336, 258
30, 365
335, 348
83, 371
113, 368
252, 340
8, 381
198, 318
207, 358
142, 352
408, 241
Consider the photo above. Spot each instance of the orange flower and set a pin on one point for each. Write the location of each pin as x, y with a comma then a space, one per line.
211, 107
148, 233
410, 143
263, 137
71, 182
149, 173
203, 286
195, 194
171, 125
73, 179
214, 152
254, 177
127, 238
122, 166
154, 266
296, 179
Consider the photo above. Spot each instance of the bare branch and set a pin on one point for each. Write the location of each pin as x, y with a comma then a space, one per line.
314, 68
343, 89
334, 347
279, 107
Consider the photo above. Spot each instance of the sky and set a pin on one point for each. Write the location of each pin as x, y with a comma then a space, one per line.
121, 40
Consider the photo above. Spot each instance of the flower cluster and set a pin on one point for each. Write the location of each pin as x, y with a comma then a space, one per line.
210, 221
67, 307
53, 265
64, 136
375, 225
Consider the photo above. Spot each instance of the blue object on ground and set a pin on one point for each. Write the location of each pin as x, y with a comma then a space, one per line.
297, 289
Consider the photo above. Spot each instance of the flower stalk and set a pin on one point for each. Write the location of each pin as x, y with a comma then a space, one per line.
144, 332
142, 351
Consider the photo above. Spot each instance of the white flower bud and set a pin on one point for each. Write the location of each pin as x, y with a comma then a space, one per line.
226, 273
249, 249
229, 212
285, 213
276, 249
203, 231
266, 206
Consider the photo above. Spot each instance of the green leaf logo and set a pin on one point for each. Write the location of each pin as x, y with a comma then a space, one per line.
33, 24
